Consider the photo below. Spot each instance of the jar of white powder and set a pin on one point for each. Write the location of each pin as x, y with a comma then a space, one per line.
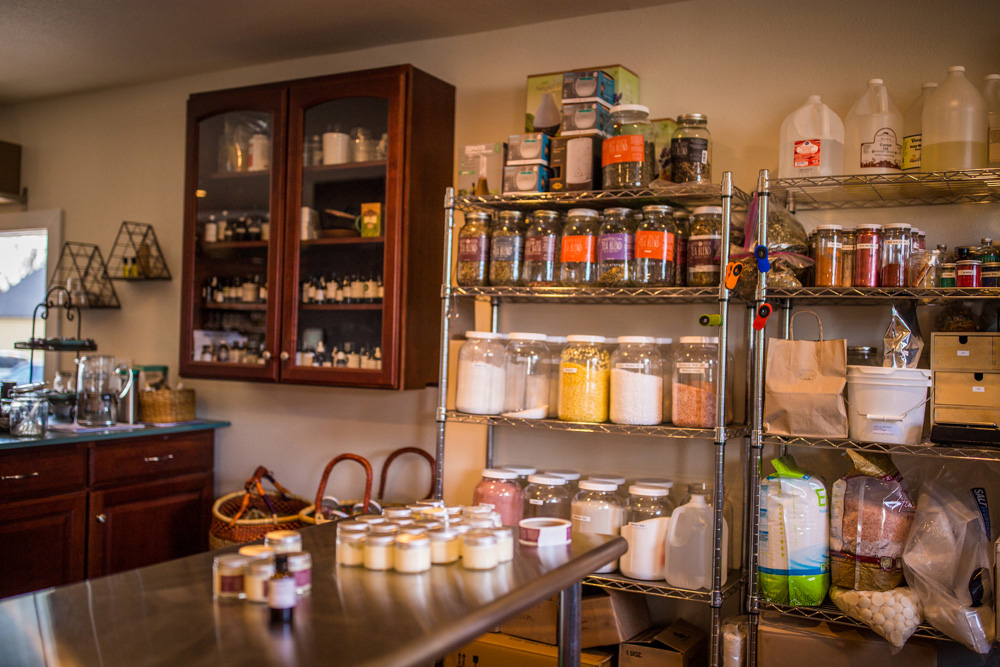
636, 382
527, 376
597, 509
480, 385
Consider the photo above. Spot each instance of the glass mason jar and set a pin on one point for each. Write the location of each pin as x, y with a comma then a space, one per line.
829, 255
682, 223
655, 260
948, 275
644, 528
526, 384
867, 255
523, 473
584, 380
895, 256
628, 157
29, 414
636, 382
499, 489
548, 496
541, 250
479, 389
474, 250
848, 253
695, 377
862, 356
986, 252
597, 509
507, 249
691, 150
578, 254
556, 344
704, 247
615, 248
924, 266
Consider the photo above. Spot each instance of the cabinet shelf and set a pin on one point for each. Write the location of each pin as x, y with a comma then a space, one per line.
215, 246
619, 582
928, 449
340, 306
684, 194
608, 295
349, 171
829, 613
229, 176
235, 306
659, 430
876, 296
343, 240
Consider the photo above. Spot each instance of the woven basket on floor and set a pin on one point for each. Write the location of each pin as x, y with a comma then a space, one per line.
166, 406
245, 516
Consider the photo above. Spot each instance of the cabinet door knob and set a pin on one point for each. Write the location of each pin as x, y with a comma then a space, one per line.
266, 355
283, 356
102, 518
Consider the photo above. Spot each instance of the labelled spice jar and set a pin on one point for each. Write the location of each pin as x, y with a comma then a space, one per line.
546, 496
691, 150
629, 157
541, 250
867, 255
947, 276
584, 380
636, 382
655, 260
968, 273
829, 255
848, 254
991, 275
227, 576
578, 254
507, 249
615, 248
704, 247
896, 246
300, 567
474, 250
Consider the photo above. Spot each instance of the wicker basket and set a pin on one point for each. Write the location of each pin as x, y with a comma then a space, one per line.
166, 406
225, 533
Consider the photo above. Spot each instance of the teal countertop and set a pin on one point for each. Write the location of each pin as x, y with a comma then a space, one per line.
8, 441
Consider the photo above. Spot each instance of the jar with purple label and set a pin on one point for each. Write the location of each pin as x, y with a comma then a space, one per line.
541, 250
507, 249
615, 248
474, 250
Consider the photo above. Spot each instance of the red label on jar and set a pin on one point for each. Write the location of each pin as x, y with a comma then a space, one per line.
654, 245
578, 249
540, 249
474, 249
626, 148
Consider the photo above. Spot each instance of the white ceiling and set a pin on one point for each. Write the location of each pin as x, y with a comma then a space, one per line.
54, 47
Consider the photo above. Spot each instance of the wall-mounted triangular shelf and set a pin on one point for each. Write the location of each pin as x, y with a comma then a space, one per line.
136, 254
85, 262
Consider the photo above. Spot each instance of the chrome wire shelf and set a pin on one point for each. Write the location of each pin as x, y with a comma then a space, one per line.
873, 296
620, 582
884, 190
829, 613
684, 194
927, 449
619, 295
659, 431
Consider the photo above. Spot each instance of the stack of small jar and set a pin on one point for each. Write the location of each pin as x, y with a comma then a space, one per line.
642, 381
659, 246
244, 575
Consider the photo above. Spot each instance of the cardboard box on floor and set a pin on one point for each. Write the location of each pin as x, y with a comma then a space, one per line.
494, 650
606, 617
678, 645
791, 642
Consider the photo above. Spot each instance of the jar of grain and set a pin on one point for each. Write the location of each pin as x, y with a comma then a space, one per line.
629, 157
655, 248
584, 380
695, 378
507, 249
480, 386
597, 509
704, 247
546, 496
636, 382
499, 490
578, 253
474, 250
526, 376
829, 255
541, 250
691, 150
615, 248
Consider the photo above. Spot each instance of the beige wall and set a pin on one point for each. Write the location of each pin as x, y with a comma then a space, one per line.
119, 155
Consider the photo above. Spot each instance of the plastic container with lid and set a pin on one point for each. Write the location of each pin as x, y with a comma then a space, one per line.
867, 255
474, 250
499, 490
644, 527
811, 141
704, 248
480, 386
895, 256
955, 126
542, 241
556, 345
526, 376
691, 150
913, 128
572, 478
628, 158
655, 262
636, 382
523, 473
597, 509
611, 478
444, 545
507, 249
873, 132
695, 378
578, 252
615, 248
584, 379
546, 496
378, 552
829, 255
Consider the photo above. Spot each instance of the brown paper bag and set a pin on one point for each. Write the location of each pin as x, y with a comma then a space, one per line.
804, 386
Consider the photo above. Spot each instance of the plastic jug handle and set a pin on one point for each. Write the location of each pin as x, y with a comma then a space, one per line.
128, 381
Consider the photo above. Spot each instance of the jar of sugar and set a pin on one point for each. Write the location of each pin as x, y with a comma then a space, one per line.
596, 508
480, 386
636, 382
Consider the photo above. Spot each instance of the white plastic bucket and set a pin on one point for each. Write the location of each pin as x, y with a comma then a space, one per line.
887, 404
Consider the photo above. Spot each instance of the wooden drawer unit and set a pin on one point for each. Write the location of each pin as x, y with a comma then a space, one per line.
965, 351
35, 471
969, 389
950, 414
150, 458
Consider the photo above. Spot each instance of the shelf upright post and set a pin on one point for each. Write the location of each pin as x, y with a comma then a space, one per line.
490, 427
446, 300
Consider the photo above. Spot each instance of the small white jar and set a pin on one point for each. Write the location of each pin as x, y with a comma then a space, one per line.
434, 513
351, 549
412, 553
477, 511
505, 543
284, 541
259, 572
430, 524
386, 528
454, 510
479, 550
300, 565
228, 576
395, 513
444, 545
370, 519
461, 528
378, 552
344, 527
412, 529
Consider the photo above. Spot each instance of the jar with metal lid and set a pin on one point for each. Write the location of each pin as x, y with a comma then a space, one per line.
300, 567
556, 345
867, 255
572, 478
636, 382
228, 571
655, 260
412, 553
526, 376
507, 249
924, 267
378, 552
682, 223
284, 541
257, 552
498, 490
644, 527
351, 548
479, 389
474, 250
691, 150
578, 252
597, 509
444, 545
862, 355
628, 158
412, 529
546, 496
385, 528
615, 248
369, 519
896, 246
947, 277
991, 275
584, 378
695, 378
393, 513
704, 247
829, 255
969, 273
479, 550
29, 414
986, 252
523, 473
848, 254
541, 250
258, 573
505, 543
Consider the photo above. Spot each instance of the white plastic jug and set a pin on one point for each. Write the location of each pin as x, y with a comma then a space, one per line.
873, 130
687, 555
913, 128
811, 142
991, 91
956, 124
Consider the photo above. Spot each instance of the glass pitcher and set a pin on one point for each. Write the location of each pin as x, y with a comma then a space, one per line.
99, 386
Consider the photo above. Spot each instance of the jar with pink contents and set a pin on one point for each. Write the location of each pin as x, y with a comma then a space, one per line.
499, 489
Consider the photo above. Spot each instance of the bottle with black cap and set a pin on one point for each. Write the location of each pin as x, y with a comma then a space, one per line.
281, 595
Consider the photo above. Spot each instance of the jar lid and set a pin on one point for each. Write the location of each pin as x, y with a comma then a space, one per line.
868, 225
442, 534
699, 340
369, 518
598, 486
434, 512
233, 561
617, 210
968, 262
652, 491
833, 227
528, 336
483, 335
611, 340
410, 531
658, 208
257, 551
380, 540
877, 82
384, 529
696, 117
299, 559
899, 225
655, 481
494, 473
479, 538
430, 524
558, 340
354, 537
430, 502
477, 510
707, 210
585, 339
921, 232
546, 212
453, 510
283, 537
956, 68
460, 527
570, 475
397, 512
630, 107
503, 532
548, 480
664, 341
640, 340
481, 523
617, 480
522, 470
586, 212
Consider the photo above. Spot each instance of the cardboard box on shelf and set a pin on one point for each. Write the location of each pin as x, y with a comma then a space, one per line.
528, 148
678, 645
588, 86
585, 118
481, 160
494, 650
576, 163
606, 617
544, 92
526, 178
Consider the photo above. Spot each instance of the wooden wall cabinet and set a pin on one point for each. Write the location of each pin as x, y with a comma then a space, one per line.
393, 147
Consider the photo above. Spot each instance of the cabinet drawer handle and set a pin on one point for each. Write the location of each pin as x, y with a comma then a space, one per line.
28, 475
157, 459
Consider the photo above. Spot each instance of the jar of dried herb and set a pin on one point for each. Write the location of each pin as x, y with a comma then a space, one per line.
691, 150
507, 249
474, 250
541, 250
655, 247
829, 255
682, 221
849, 253
629, 157
615, 248
584, 380
578, 256
704, 246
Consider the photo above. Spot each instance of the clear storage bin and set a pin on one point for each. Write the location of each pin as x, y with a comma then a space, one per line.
547, 496
479, 388
636, 382
526, 383
584, 378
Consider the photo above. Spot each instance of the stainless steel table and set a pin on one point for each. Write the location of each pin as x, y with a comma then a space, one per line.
165, 615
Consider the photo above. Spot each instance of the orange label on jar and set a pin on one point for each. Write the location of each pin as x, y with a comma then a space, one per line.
654, 245
626, 148
578, 249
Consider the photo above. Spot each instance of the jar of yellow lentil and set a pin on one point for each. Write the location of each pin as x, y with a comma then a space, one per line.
584, 380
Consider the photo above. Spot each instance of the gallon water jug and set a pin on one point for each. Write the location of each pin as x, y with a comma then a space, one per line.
873, 130
688, 547
991, 91
955, 126
812, 142
913, 128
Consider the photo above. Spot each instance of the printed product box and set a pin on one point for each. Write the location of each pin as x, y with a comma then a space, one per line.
606, 617
585, 118
481, 161
678, 645
576, 163
544, 95
588, 86
663, 129
530, 148
525, 178
494, 650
